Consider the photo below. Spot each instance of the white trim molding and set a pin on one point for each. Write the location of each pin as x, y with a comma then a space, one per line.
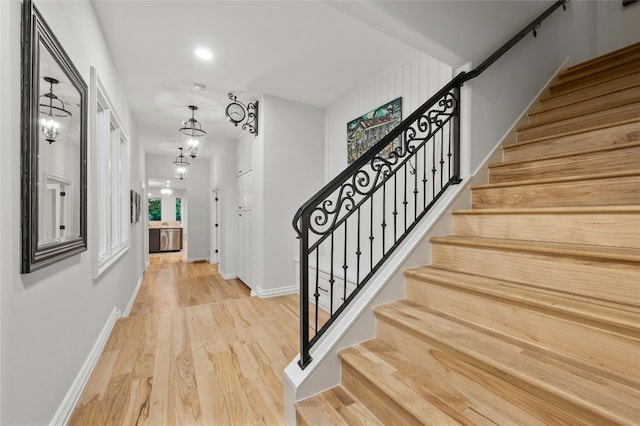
132, 300
71, 398
274, 292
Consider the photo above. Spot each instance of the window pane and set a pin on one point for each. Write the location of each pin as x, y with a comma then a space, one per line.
154, 209
179, 209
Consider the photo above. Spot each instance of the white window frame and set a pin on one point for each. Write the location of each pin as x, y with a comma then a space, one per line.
110, 166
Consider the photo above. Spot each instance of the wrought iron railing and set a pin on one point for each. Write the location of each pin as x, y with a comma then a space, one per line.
352, 226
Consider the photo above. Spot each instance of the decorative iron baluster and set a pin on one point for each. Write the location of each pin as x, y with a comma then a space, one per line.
384, 215
331, 279
358, 252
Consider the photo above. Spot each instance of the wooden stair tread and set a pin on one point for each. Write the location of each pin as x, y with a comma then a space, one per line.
612, 316
604, 117
336, 406
375, 362
591, 176
586, 105
582, 79
623, 254
530, 371
616, 147
598, 89
619, 55
582, 131
554, 210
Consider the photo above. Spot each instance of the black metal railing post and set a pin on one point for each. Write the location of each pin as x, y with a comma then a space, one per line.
305, 358
455, 178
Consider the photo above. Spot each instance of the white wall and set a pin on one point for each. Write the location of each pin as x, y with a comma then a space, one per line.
501, 94
617, 26
50, 319
199, 211
288, 169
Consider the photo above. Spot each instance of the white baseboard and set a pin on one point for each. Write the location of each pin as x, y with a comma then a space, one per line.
274, 292
227, 275
132, 300
71, 399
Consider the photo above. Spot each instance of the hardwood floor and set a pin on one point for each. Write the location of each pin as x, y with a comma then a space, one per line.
196, 350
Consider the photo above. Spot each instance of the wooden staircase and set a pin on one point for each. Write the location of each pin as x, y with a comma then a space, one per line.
530, 312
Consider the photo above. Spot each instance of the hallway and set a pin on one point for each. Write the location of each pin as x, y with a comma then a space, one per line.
195, 350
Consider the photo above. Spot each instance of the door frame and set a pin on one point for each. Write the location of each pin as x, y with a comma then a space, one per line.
216, 228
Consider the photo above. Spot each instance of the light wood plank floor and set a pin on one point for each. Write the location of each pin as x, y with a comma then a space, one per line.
196, 350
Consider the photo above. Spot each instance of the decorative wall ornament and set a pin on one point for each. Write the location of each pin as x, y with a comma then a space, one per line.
237, 112
369, 128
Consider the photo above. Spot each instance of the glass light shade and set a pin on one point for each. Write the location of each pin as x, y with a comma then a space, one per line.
50, 128
192, 133
193, 143
181, 172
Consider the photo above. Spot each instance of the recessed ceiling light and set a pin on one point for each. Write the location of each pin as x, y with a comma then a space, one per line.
204, 54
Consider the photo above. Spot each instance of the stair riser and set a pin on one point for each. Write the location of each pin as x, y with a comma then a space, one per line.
615, 229
599, 162
587, 106
504, 400
567, 83
626, 112
621, 191
600, 89
570, 144
385, 408
595, 346
605, 280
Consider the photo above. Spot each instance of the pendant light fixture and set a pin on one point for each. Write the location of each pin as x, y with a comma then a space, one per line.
181, 164
192, 133
54, 110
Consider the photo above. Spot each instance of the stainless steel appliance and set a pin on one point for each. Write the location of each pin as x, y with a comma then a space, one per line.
170, 239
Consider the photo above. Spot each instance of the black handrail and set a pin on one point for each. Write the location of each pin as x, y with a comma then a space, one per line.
418, 142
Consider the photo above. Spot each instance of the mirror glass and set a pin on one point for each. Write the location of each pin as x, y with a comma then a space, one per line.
58, 153
54, 148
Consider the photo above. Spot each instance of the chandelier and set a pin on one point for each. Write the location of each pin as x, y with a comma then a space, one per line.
192, 133
166, 192
181, 164
53, 108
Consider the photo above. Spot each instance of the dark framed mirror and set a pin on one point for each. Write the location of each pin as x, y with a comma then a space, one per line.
54, 148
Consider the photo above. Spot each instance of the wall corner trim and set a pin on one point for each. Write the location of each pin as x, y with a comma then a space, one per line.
227, 275
274, 292
70, 400
132, 300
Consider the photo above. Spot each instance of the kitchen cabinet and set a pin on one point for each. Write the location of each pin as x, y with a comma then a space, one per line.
154, 240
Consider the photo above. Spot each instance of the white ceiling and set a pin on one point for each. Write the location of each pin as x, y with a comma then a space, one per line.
312, 52
305, 51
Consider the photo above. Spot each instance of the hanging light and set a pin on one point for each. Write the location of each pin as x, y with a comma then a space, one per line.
193, 133
181, 164
166, 192
53, 108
